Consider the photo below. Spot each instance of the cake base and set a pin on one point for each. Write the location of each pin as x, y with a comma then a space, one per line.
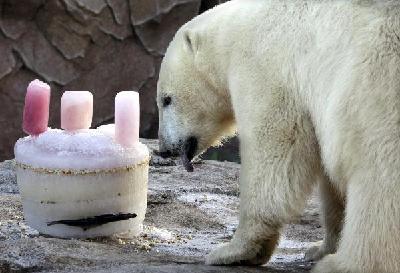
84, 204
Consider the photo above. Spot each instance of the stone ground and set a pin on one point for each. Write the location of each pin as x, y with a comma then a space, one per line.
188, 215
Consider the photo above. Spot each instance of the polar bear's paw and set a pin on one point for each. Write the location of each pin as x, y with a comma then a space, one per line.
234, 254
316, 253
329, 264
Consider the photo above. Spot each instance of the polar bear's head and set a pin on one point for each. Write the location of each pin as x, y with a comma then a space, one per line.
194, 113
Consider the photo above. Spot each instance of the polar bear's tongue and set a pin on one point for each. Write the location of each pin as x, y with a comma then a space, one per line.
188, 152
187, 163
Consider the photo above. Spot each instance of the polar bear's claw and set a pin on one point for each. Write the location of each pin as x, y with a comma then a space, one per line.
231, 254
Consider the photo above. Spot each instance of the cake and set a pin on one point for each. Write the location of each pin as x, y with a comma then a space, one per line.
81, 182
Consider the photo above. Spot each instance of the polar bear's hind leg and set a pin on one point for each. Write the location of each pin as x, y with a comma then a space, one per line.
332, 207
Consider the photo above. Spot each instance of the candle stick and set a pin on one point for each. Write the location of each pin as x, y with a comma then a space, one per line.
36, 109
76, 110
127, 111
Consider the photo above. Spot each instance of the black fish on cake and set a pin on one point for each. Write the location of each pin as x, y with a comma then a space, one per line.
95, 221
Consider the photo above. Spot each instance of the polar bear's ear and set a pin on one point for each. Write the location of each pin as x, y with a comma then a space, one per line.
190, 40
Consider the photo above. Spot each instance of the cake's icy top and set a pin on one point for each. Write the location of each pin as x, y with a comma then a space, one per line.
81, 150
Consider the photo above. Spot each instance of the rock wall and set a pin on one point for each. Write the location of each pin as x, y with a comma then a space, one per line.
99, 45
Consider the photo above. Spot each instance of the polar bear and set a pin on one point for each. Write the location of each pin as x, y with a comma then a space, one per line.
313, 90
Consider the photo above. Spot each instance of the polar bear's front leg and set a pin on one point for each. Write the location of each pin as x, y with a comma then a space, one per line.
246, 248
280, 162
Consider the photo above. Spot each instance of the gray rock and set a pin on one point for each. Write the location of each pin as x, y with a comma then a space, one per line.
76, 12
69, 43
142, 12
188, 215
7, 61
120, 11
62, 34
39, 55
13, 28
15, 17
115, 20
93, 6
156, 34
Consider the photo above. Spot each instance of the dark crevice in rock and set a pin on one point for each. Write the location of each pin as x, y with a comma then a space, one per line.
18, 59
208, 4
114, 7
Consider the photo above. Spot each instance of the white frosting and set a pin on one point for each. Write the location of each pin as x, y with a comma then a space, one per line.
108, 130
81, 150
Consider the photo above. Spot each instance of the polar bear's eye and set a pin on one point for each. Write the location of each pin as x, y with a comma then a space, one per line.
167, 101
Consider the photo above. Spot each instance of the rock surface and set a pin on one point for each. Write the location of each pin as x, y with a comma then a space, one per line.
103, 46
188, 214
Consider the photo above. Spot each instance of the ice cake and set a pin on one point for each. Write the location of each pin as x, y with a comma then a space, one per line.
81, 182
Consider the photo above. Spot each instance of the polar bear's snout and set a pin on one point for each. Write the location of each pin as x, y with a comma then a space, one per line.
167, 150
186, 149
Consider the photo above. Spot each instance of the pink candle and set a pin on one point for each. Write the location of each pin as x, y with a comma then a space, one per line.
127, 111
76, 110
36, 110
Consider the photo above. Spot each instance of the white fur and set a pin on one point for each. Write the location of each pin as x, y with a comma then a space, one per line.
313, 89
172, 128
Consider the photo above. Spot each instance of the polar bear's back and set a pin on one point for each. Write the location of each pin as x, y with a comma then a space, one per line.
310, 33
342, 57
